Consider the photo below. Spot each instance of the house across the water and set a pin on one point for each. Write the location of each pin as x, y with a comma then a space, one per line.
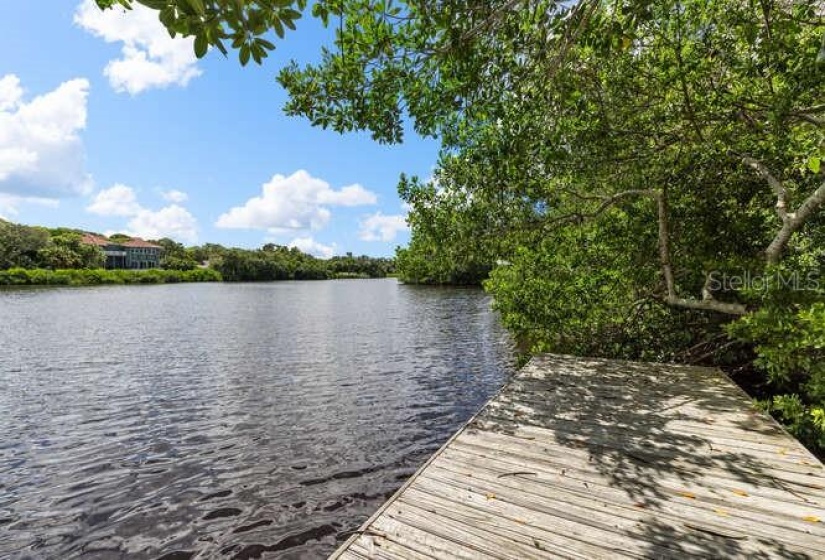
134, 253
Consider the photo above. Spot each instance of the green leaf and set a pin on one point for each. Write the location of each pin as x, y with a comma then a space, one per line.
244, 54
201, 45
167, 18
257, 53
814, 163
197, 5
219, 44
279, 28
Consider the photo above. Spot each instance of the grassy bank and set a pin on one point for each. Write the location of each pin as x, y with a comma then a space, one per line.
99, 276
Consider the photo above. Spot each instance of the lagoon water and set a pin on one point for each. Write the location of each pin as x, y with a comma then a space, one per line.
227, 420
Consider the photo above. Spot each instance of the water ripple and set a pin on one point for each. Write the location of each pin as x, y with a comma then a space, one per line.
226, 421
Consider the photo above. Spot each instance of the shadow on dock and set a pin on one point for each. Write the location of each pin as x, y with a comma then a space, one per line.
601, 458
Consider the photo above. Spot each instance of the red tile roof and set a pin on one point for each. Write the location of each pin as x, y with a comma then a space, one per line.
92, 239
138, 242
100, 241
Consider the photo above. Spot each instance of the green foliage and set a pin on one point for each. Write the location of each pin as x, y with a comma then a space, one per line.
445, 247
66, 250
176, 256
19, 244
348, 266
24, 250
271, 263
241, 24
93, 277
411, 57
805, 421
789, 341
28, 247
276, 262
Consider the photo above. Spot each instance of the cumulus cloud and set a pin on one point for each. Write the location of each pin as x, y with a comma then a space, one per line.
10, 92
352, 195
309, 245
41, 153
175, 196
297, 202
382, 227
150, 58
172, 221
118, 200
9, 204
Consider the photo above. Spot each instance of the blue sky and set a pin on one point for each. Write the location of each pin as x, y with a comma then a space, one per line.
108, 125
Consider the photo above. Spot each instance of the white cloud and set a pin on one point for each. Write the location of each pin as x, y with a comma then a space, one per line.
9, 204
297, 202
172, 221
118, 200
41, 154
175, 196
150, 57
352, 195
10, 92
382, 227
309, 245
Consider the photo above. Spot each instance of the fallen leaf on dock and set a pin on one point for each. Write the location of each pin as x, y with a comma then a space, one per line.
686, 494
739, 492
491, 496
720, 511
811, 519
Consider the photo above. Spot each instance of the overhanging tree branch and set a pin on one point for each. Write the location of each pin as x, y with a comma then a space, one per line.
793, 223
707, 303
775, 184
606, 202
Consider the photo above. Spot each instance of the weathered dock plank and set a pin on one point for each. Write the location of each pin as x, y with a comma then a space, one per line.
584, 458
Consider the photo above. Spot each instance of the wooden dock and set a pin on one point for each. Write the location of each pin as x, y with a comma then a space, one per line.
578, 458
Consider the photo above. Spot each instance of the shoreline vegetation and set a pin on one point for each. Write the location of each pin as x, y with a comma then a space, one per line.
102, 276
39, 256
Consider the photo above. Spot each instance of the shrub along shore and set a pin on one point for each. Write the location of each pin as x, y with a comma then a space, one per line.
100, 276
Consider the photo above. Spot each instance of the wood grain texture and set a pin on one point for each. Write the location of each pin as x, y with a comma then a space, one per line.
586, 458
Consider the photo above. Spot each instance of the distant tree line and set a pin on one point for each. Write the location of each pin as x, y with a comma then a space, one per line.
29, 248
38, 247
271, 262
